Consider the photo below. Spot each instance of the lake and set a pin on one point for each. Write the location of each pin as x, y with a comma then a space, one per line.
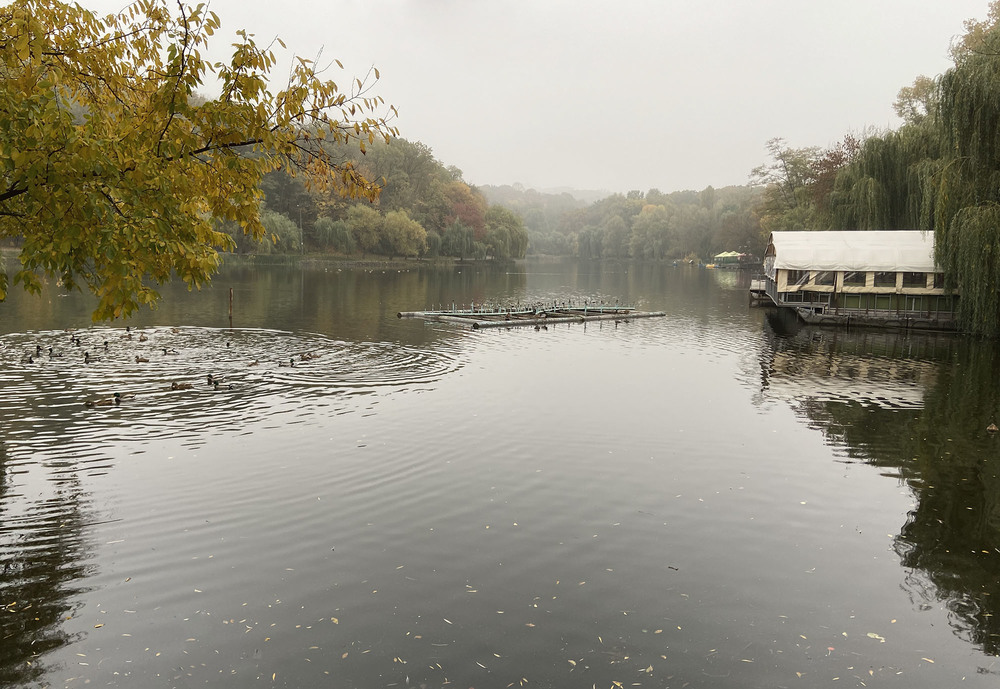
716, 498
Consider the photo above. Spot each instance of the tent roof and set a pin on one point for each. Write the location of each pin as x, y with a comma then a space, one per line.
889, 250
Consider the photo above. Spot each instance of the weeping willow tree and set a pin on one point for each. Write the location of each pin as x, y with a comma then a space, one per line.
966, 215
887, 184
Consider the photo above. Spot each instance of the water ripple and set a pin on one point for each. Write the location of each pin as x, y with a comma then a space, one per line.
186, 383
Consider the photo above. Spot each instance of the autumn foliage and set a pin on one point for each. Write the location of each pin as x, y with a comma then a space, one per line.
112, 168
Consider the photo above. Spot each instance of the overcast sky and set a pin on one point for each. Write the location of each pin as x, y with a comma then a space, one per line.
614, 96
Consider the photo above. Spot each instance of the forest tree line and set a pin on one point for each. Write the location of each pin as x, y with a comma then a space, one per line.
423, 209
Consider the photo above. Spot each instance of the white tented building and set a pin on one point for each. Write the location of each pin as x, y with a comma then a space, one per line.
878, 277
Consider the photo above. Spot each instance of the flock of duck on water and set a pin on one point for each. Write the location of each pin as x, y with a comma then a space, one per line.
212, 381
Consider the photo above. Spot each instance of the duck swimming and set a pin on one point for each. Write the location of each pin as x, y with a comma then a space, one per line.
141, 360
87, 358
180, 386
169, 351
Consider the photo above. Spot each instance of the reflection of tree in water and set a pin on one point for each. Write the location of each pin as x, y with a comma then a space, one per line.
950, 544
42, 551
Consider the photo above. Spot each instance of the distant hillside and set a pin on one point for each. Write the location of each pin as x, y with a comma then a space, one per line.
509, 192
585, 195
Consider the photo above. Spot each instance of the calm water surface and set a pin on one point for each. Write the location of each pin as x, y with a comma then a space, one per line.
712, 499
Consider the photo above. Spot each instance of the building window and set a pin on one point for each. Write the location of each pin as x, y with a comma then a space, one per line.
883, 302
825, 277
945, 304
914, 279
855, 278
798, 277
938, 280
791, 297
884, 278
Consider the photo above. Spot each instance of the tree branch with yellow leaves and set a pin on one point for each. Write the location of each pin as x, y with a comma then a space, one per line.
112, 168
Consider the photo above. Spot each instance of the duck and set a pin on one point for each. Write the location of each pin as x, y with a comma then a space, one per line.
104, 402
290, 364
27, 359
54, 353
38, 350
255, 362
87, 358
180, 386
124, 396
169, 351
215, 380
142, 337
105, 345
216, 385
141, 360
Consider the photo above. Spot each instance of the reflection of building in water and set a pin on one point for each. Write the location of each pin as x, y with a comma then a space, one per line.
915, 406
884, 278
868, 366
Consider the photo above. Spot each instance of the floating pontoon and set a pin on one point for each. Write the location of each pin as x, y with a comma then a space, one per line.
494, 316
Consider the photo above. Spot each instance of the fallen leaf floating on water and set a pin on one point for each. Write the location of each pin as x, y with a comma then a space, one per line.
873, 635
927, 659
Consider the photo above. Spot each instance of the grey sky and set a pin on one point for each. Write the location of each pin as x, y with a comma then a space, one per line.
633, 94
